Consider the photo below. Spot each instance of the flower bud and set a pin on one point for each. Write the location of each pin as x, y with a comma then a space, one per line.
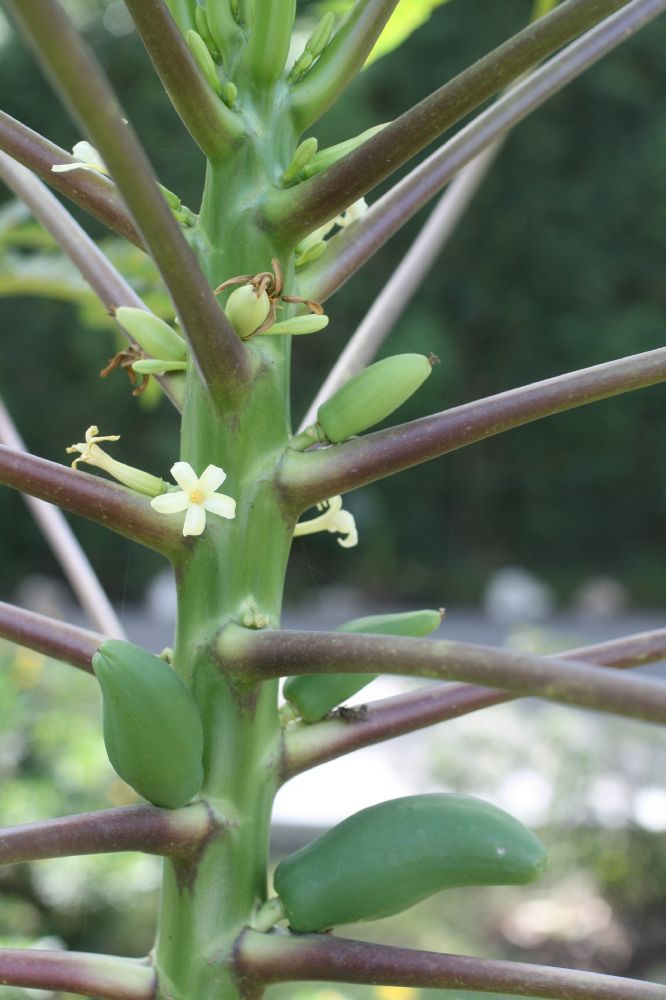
150, 366
299, 325
304, 152
325, 158
151, 333
314, 46
372, 395
204, 60
201, 21
247, 309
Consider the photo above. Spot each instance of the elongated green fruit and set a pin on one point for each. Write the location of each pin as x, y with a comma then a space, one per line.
152, 333
270, 38
152, 727
371, 395
385, 859
314, 695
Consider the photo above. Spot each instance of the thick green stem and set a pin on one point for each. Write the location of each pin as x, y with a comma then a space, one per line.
234, 572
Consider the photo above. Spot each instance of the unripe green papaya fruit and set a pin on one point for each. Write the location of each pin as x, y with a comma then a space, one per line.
372, 395
247, 309
314, 695
152, 727
385, 859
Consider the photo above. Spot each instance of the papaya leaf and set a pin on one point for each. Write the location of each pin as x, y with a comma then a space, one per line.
407, 17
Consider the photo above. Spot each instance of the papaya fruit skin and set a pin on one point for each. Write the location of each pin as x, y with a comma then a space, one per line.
152, 727
390, 856
372, 395
314, 695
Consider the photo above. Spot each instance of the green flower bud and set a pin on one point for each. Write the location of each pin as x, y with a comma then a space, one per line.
229, 93
371, 396
204, 60
310, 254
201, 21
314, 46
246, 310
299, 325
151, 333
327, 157
150, 366
304, 152
321, 36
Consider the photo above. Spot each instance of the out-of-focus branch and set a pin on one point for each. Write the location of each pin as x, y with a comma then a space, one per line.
75, 564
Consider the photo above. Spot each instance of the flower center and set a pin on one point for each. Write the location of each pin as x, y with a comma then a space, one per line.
197, 496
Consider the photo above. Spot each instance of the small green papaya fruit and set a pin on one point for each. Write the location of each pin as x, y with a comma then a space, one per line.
314, 695
152, 727
371, 395
390, 856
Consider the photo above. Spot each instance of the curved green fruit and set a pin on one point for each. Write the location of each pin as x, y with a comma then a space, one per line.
372, 395
314, 695
385, 859
152, 727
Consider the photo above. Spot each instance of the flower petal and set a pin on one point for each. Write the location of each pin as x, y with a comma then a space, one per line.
170, 503
211, 478
185, 476
195, 520
219, 503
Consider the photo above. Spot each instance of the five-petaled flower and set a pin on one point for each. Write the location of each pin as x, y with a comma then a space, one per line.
333, 519
196, 495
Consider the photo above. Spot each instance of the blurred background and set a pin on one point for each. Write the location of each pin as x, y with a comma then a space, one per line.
544, 538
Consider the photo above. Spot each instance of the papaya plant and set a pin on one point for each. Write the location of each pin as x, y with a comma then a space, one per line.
199, 731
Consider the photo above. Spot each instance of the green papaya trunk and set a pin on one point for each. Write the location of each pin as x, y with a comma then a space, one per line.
233, 572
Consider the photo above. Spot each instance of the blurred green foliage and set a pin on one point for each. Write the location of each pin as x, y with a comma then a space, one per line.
557, 265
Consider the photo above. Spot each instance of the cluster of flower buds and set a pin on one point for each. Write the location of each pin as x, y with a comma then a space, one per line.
314, 245
314, 47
